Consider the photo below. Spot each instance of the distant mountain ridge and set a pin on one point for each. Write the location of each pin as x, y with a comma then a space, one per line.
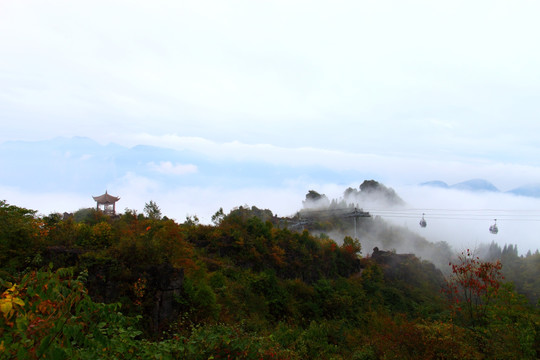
475, 185
80, 164
531, 190
481, 185
469, 185
436, 183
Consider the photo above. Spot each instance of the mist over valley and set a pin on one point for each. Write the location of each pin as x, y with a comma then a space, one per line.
189, 181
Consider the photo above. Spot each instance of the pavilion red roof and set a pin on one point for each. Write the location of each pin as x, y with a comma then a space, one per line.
106, 199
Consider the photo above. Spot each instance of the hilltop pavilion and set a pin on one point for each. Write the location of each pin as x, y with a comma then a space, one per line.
106, 203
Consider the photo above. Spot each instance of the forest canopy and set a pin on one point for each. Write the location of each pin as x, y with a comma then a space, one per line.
252, 285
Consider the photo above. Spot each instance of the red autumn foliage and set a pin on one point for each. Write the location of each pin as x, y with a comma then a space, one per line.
473, 284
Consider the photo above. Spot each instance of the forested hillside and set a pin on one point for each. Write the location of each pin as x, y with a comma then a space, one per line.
139, 286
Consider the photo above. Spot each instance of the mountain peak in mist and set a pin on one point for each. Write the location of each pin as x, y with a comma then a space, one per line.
531, 190
436, 183
314, 199
475, 185
372, 191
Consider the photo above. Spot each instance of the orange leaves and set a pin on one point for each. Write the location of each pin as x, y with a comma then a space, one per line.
349, 249
278, 255
139, 289
46, 307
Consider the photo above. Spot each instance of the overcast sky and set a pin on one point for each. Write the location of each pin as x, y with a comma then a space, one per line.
408, 90
446, 80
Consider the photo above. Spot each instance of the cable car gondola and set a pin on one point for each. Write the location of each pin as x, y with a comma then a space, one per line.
493, 228
423, 222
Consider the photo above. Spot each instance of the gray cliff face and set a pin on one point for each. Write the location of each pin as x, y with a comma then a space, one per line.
164, 284
408, 268
167, 283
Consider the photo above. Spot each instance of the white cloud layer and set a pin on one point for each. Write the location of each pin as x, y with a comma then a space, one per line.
398, 169
402, 92
463, 218
416, 78
167, 167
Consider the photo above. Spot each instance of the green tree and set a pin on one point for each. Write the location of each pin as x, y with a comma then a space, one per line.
152, 210
191, 220
512, 326
218, 217
20, 232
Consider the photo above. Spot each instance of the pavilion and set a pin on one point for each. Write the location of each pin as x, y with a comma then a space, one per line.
106, 203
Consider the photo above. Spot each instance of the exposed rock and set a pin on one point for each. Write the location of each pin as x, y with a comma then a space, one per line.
390, 258
166, 283
163, 283
408, 268
315, 200
371, 190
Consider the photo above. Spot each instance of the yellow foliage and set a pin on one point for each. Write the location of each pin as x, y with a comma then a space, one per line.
8, 300
5, 307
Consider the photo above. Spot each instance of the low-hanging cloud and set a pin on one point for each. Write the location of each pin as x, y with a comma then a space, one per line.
403, 169
269, 176
462, 218
169, 168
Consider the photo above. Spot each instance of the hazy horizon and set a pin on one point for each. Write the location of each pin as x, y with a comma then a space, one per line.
71, 171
